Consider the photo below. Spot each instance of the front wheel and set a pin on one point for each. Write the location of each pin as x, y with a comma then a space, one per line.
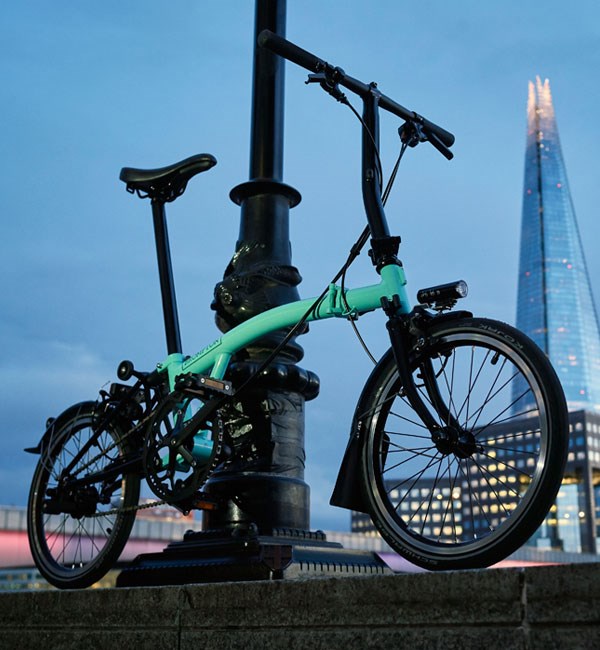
77, 531
476, 489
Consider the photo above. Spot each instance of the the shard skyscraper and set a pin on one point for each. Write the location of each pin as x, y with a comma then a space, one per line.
555, 303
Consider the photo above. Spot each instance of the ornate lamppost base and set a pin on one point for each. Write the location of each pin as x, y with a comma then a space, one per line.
246, 555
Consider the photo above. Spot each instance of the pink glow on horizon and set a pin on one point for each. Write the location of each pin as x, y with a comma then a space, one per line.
14, 549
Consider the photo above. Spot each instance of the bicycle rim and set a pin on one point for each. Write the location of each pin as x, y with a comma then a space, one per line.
473, 501
72, 549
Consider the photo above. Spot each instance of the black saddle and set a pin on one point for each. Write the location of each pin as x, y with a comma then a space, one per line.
166, 183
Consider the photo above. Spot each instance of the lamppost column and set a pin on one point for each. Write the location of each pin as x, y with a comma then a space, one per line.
265, 485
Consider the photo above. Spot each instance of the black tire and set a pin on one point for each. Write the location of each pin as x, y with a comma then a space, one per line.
76, 550
468, 504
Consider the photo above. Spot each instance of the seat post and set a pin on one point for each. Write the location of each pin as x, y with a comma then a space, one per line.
165, 273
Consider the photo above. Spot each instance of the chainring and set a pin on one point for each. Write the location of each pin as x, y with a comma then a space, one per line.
170, 476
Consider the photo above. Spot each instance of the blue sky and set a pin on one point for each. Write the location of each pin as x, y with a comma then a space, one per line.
90, 87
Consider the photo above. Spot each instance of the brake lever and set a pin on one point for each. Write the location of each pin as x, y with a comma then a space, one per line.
328, 82
412, 133
439, 145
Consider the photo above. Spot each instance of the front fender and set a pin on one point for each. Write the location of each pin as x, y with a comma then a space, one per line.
347, 492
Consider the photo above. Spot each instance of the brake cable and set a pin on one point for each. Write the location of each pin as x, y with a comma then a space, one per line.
364, 236
336, 93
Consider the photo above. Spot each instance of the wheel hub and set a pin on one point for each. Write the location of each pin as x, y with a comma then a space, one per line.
451, 440
78, 503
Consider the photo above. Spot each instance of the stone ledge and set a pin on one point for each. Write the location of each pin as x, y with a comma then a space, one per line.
542, 607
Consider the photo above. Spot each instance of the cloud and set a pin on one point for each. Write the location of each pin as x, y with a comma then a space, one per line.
39, 380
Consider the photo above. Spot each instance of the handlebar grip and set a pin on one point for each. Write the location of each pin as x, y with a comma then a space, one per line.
289, 51
445, 136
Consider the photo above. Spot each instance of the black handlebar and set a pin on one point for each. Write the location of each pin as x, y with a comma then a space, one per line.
289, 51
309, 61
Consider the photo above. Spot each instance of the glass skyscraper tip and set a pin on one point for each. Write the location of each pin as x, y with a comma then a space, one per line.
555, 303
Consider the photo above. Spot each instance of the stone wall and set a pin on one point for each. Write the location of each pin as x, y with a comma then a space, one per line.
534, 608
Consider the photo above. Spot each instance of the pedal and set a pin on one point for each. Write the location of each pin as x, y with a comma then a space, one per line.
203, 502
200, 501
202, 386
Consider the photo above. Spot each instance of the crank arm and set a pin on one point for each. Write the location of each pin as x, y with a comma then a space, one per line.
194, 424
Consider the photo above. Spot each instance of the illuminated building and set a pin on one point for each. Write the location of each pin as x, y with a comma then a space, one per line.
556, 309
555, 305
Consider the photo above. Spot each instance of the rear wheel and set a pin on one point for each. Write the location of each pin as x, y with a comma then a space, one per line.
76, 534
477, 489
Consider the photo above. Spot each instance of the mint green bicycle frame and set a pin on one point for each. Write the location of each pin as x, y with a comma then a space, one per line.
214, 358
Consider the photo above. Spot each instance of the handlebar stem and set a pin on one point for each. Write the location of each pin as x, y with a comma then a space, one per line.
371, 181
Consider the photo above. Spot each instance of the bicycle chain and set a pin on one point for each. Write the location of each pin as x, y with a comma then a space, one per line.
117, 511
151, 504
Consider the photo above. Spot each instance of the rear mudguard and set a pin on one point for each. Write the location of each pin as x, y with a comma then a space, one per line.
347, 492
55, 425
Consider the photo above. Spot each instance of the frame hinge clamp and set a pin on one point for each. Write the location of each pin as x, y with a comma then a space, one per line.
384, 251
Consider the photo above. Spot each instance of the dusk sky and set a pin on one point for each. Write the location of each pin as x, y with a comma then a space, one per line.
90, 87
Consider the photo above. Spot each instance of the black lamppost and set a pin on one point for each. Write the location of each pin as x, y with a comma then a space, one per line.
260, 529
266, 487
